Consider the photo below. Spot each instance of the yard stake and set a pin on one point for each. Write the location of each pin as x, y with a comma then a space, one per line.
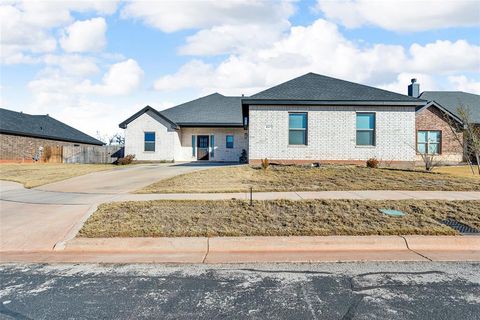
251, 196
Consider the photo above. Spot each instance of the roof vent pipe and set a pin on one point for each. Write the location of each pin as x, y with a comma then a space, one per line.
414, 88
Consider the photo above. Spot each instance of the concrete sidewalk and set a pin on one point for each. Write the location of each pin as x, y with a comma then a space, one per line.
257, 249
300, 195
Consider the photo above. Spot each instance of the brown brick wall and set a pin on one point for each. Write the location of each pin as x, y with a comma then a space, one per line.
433, 119
22, 149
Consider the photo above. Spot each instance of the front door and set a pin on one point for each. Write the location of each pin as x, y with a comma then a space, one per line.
202, 149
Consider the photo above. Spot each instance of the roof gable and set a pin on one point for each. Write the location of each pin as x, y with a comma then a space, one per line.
451, 100
146, 109
315, 87
41, 126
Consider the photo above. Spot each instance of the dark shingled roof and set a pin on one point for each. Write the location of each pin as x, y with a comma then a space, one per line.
451, 100
41, 126
315, 87
214, 109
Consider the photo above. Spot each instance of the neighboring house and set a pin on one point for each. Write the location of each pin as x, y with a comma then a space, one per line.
438, 124
23, 136
312, 118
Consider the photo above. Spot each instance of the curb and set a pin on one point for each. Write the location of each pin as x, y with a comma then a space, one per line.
271, 249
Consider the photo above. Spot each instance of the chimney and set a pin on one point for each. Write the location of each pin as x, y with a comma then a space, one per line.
414, 88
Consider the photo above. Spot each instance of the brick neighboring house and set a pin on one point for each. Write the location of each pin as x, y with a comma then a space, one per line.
23, 136
438, 126
312, 118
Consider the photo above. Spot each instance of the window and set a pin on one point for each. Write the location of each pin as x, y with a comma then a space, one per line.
429, 142
229, 142
365, 129
297, 128
149, 141
193, 145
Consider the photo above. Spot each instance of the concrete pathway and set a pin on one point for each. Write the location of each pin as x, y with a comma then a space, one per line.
37, 219
300, 195
125, 179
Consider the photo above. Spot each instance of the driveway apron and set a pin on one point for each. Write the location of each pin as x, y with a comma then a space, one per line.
37, 219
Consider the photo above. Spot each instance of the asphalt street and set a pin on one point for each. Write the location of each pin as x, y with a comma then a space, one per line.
257, 291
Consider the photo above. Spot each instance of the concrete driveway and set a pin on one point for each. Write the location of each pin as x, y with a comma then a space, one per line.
37, 219
124, 179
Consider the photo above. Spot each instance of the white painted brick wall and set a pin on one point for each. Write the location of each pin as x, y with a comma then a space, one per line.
221, 153
176, 145
166, 138
332, 133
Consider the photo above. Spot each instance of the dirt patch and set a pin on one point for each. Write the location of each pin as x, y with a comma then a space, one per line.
304, 178
276, 218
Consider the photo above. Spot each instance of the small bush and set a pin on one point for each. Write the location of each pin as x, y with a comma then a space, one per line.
265, 164
372, 163
243, 157
128, 159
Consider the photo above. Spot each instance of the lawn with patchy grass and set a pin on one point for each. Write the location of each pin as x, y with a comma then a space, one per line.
306, 178
37, 174
164, 218
459, 171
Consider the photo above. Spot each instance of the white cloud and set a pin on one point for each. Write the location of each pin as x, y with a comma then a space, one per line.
122, 78
232, 38
321, 48
170, 16
402, 16
462, 83
226, 26
72, 65
400, 84
84, 36
445, 57
27, 26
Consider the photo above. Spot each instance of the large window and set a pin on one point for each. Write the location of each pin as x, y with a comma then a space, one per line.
149, 141
365, 129
229, 141
297, 128
429, 142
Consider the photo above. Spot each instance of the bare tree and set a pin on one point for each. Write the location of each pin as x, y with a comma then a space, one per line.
114, 139
471, 133
429, 160
458, 131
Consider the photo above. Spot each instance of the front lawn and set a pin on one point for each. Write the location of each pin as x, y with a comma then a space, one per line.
460, 171
37, 174
306, 178
276, 218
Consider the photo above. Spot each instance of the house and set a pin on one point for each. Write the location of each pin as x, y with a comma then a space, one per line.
312, 118
439, 125
24, 136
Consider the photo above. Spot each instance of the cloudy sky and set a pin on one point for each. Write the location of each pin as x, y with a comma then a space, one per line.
93, 64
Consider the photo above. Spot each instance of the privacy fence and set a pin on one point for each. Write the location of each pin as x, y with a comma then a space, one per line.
80, 154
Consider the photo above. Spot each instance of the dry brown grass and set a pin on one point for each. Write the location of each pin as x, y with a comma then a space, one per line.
37, 174
304, 178
459, 171
276, 218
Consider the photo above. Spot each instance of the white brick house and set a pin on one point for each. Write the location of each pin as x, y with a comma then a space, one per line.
311, 118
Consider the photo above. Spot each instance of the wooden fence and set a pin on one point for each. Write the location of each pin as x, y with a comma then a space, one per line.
91, 154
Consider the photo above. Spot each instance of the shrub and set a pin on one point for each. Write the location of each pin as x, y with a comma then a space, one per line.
243, 157
128, 159
372, 163
265, 164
